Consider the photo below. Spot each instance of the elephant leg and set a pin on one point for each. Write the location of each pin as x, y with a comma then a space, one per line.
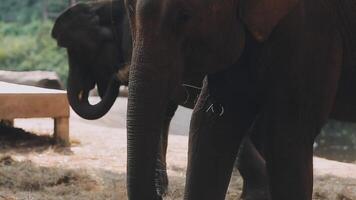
289, 159
252, 168
297, 104
291, 129
216, 131
161, 166
291, 125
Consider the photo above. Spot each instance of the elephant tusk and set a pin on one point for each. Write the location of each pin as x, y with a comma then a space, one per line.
80, 94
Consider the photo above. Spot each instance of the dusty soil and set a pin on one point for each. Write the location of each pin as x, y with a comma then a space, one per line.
32, 167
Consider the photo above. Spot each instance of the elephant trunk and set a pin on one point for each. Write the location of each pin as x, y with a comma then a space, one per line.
78, 96
147, 104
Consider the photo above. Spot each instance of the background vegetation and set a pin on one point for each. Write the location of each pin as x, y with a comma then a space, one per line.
25, 41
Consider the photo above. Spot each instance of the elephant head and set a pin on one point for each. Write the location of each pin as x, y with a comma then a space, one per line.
176, 37
98, 43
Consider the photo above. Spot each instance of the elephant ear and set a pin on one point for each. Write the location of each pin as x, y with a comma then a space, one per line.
261, 16
76, 18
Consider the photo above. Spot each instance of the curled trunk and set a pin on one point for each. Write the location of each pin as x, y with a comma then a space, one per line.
78, 97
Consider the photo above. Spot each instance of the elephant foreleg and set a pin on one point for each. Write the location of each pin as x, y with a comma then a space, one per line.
161, 166
252, 168
298, 103
216, 131
289, 154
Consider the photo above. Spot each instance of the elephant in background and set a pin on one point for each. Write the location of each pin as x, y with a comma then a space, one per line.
280, 66
98, 43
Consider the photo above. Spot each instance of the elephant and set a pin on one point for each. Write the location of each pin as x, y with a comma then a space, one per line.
248, 151
278, 65
97, 39
98, 44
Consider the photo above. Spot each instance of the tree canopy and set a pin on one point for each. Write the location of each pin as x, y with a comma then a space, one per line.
29, 10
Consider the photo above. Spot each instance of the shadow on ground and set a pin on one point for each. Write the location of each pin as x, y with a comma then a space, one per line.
19, 141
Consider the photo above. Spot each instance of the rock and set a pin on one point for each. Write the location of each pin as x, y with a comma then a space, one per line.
45, 79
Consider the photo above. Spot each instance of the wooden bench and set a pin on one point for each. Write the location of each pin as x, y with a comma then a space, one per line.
19, 101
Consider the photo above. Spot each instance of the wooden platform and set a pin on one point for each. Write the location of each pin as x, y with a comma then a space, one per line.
19, 101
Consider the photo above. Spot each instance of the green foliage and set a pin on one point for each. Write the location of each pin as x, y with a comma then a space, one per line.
25, 41
26, 11
19, 10
337, 141
339, 133
30, 47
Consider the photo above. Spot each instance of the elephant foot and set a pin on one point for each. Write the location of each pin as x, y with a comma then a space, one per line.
161, 181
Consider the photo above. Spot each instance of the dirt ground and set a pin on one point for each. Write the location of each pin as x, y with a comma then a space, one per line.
32, 168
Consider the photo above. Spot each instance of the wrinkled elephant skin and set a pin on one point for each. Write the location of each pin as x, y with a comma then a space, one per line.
275, 64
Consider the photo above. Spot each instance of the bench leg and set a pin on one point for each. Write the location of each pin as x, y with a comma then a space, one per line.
61, 130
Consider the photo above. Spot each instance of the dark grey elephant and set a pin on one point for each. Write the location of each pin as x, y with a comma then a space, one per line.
98, 46
98, 43
279, 65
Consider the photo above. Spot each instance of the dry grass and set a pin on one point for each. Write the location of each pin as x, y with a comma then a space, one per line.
30, 171
334, 188
25, 180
